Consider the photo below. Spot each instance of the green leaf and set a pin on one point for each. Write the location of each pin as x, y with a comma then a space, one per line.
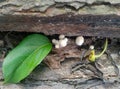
21, 61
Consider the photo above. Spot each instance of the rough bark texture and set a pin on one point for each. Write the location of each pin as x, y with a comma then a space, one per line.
44, 16
55, 7
68, 24
44, 77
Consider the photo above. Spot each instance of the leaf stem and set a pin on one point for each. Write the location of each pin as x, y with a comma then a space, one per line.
105, 48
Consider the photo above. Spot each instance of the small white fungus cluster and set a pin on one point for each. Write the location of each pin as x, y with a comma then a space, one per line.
79, 40
62, 42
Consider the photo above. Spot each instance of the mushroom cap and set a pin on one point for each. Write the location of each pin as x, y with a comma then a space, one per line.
57, 46
91, 47
66, 39
54, 41
61, 36
62, 43
79, 40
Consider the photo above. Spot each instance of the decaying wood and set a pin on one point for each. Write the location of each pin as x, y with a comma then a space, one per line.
68, 24
64, 58
59, 55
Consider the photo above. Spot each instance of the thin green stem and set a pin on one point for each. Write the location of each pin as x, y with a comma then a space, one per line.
105, 48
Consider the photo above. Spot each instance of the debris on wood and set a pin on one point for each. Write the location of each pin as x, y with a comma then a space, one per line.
60, 61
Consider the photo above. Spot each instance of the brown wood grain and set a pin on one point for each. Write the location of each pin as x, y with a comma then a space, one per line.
68, 24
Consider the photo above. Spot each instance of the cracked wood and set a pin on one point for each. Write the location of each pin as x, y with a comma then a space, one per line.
68, 24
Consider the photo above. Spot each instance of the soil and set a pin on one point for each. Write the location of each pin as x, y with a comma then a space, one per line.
61, 68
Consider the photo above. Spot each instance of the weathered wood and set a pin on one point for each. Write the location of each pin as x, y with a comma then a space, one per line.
50, 7
68, 24
45, 78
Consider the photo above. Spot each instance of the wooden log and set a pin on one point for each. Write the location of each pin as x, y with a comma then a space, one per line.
68, 24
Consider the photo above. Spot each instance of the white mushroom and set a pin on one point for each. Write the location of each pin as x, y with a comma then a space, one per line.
91, 47
57, 46
66, 39
54, 41
61, 37
62, 43
79, 40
